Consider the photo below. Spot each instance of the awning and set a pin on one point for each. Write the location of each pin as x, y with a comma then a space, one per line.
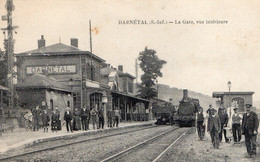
127, 95
92, 84
97, 85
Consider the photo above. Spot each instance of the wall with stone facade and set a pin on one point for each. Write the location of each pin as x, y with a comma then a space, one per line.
248, 99
50, 60
63, 60
60, 99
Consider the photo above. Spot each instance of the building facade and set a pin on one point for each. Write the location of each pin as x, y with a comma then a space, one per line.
67, 64
86, 75
44, 91
132, 108
233, 99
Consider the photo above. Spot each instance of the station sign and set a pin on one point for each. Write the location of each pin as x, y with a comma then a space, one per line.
51, 69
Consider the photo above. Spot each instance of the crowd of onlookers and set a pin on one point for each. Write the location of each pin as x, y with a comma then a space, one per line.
77, 119
217, 125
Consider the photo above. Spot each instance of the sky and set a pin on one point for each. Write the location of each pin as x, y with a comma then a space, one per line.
200, 57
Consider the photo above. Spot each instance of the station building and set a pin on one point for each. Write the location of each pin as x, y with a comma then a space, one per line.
36, 89
233, 99
84, 77
132, 108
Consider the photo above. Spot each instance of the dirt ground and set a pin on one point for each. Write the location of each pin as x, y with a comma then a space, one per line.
190, 148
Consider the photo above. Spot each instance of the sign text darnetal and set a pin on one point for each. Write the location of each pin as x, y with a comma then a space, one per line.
52, 69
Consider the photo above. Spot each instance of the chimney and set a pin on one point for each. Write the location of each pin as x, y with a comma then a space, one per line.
41, 42
74, 42
120, 68
185, 93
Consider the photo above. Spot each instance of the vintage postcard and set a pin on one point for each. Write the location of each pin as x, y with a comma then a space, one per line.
129, 80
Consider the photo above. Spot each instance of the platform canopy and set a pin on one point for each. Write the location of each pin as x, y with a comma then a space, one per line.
130, 96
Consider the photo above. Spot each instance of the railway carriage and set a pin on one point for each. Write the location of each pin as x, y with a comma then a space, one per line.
164, 114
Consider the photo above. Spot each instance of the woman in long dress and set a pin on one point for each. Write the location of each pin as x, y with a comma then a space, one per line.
76, 121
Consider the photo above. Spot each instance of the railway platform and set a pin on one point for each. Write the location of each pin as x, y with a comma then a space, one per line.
20, 138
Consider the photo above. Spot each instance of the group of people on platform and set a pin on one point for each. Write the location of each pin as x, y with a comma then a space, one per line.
246, 125
79, 119
41, 117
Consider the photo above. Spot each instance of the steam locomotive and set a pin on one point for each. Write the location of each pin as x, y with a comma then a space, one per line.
186, 112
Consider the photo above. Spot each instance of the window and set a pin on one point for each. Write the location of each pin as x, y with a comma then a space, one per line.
130, 87
75, 100
51, 104
68, 104
92, 67
125, 84
90, 70
97, 73
95, 99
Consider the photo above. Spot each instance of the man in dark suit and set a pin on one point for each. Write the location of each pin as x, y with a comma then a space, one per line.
109, 116
68, 117
200, 123
250, 125
85, 116
101, 118
214, 127
224, 120
37, 112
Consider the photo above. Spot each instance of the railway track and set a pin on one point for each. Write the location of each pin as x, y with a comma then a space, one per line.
71, 143
116, 156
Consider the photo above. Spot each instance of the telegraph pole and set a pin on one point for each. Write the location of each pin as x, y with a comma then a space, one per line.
136, 70
10, 49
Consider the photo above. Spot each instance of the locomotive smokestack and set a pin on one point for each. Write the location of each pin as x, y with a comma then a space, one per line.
185, 93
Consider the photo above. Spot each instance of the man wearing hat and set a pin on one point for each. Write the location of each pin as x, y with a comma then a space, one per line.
200, 123
85, 116
209, 109
214, 127
37, 112
236, 120
68, 118
250, 125
224, 120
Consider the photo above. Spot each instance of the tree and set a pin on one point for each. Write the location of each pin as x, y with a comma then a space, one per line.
151, 66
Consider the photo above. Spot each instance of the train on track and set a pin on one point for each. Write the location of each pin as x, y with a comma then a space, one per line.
164, 114
184, 115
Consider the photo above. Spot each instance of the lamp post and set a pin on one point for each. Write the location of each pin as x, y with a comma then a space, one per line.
71, 83
229, 87
104, 101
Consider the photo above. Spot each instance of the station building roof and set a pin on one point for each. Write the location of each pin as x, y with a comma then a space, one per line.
57, 50
221, 94
107, 70
43, 81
